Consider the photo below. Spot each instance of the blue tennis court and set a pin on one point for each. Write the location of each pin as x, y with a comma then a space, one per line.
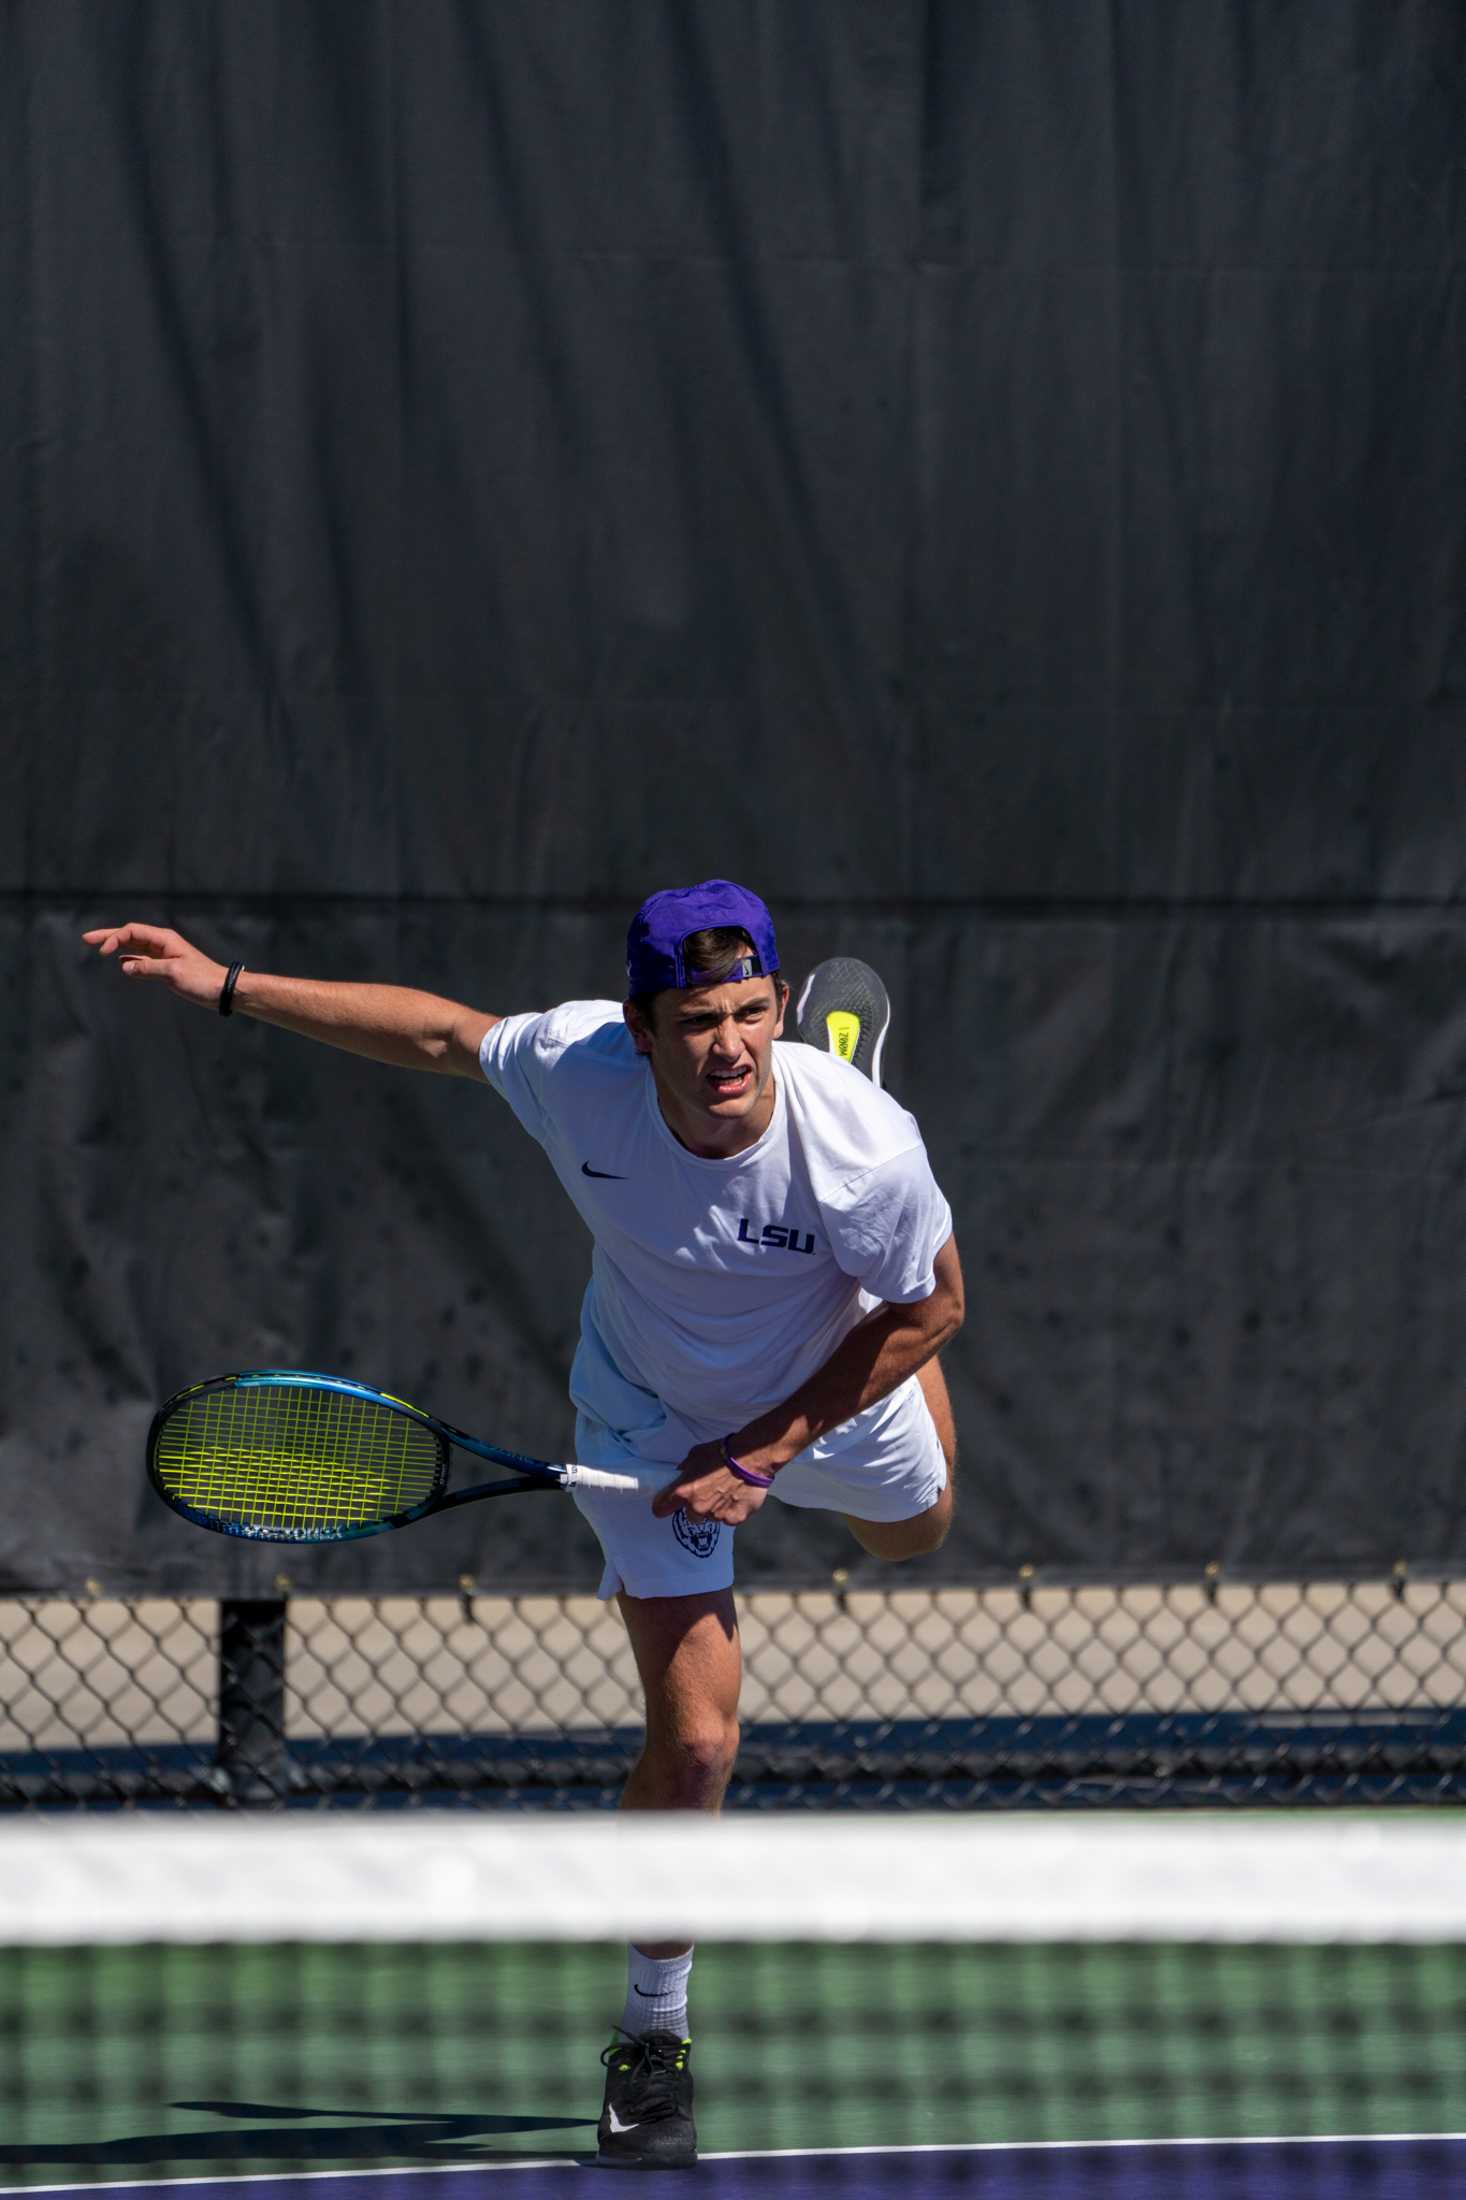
1345, 2169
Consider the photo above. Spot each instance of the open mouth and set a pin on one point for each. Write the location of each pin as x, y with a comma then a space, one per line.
731, 1085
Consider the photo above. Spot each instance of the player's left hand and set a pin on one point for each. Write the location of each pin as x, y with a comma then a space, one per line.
707, 1491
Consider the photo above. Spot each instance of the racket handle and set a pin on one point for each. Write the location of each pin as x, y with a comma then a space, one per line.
604, 1478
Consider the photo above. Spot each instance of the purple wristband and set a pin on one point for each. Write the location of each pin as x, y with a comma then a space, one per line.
744, 1474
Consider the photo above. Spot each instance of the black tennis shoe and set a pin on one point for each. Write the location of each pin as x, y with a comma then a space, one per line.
646, 2122
844, 1009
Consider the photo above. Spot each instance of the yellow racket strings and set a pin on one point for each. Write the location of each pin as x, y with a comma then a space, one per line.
281, 1456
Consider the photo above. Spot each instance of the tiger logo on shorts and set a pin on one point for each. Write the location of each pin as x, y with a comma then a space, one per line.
698, 1536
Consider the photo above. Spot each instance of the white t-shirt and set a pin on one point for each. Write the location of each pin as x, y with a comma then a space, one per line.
718, 1287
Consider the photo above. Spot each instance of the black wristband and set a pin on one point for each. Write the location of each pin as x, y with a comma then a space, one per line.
226, 991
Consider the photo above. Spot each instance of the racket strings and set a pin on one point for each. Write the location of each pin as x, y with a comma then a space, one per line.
283, 1457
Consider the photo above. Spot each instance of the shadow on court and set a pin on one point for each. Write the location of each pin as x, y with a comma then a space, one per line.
284, 2136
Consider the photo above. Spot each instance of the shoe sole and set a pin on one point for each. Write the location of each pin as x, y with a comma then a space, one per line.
638, 2163
846, 1011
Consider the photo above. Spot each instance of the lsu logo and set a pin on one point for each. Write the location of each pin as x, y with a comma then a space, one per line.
775, 1234
698, 1536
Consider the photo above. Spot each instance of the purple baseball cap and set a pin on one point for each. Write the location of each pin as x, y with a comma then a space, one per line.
666, 920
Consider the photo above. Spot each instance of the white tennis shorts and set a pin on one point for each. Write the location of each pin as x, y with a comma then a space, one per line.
891, 1473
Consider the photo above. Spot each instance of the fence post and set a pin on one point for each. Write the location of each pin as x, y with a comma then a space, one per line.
251, 1746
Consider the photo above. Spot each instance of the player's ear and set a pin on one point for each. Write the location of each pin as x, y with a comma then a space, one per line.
639, 1025
781, 1005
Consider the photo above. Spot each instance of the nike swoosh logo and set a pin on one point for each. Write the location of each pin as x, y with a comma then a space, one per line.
617, 2125
611, 1177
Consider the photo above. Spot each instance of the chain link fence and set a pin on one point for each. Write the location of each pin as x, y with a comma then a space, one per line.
1038, 1692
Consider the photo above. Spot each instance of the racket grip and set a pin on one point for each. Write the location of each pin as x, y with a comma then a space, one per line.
606, 1478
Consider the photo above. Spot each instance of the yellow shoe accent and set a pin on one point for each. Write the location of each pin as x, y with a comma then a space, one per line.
844, 1030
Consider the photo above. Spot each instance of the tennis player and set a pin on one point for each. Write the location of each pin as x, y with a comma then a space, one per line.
774, 1274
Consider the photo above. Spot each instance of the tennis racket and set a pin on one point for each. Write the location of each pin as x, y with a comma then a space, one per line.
289, 1457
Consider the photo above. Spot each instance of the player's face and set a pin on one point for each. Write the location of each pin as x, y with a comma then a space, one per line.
712, 1054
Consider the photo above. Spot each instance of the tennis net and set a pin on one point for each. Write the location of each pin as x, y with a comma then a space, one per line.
1072, 2008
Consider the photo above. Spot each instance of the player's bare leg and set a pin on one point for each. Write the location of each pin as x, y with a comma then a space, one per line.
688, 1657
927, 1531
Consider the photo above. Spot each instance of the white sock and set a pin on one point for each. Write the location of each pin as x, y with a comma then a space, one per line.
656, 1994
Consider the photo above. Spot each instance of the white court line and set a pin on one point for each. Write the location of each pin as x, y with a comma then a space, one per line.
294, 2177
1097, 2146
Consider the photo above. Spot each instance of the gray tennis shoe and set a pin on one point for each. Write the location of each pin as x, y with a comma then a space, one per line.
844, 1009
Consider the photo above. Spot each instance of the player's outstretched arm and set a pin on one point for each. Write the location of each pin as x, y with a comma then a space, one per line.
386, 1023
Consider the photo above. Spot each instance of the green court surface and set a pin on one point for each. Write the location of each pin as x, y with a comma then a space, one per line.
147, 2063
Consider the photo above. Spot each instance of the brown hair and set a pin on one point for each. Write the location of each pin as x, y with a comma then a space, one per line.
712, 955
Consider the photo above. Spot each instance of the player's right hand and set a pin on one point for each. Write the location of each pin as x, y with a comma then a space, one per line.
152, 951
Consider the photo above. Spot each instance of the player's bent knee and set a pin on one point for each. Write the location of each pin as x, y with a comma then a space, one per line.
895, 1540
932, 1532
928, 1531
